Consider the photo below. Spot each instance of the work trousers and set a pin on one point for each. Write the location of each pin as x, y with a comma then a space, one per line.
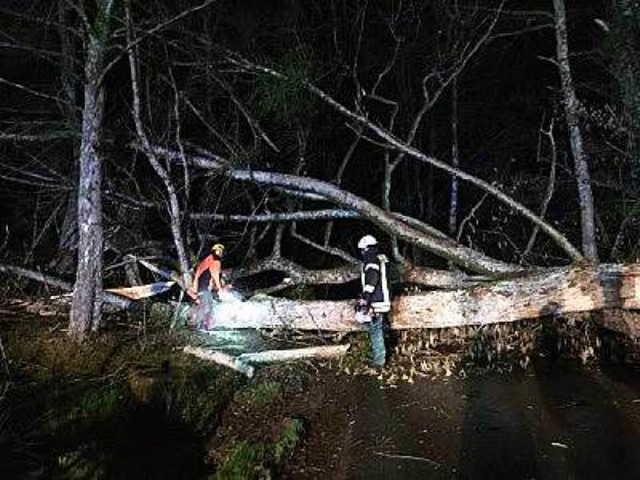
204, 318
376, 336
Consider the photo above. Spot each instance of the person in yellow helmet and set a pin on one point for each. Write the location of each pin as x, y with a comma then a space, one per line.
207, 281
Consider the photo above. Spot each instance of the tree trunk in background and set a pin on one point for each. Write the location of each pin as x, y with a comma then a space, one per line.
455, 160
64, 261
86, 308
589, 248
174, 210
68, 237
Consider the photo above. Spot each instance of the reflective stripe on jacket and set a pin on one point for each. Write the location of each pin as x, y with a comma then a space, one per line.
375, 284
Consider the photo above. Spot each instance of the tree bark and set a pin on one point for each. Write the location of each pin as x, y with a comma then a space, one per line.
548, 292
270, 356
86, 308
589, 248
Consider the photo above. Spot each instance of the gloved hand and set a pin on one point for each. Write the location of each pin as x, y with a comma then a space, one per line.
361, 306
363, 317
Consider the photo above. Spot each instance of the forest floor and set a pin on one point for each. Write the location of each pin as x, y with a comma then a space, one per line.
130, 404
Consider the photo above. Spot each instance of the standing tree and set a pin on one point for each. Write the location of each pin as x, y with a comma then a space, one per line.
581, 162
86, 308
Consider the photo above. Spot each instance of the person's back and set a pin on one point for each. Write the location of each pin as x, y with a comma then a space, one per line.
374, 300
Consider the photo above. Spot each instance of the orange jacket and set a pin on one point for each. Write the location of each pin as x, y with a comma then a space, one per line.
207, 275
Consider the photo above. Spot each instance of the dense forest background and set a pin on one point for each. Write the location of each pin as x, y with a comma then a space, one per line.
288, 129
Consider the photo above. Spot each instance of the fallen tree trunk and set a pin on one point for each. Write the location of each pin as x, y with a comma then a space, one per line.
107, 297
551, 291
547, 292
221, 359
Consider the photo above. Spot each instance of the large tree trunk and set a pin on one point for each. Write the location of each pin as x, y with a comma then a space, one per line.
589, 248
86, 308
547, 292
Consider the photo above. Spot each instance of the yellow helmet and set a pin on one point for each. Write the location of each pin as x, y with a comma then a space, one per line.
218, 249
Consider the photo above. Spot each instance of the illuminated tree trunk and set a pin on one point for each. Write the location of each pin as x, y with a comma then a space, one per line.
589, 248
548, 292
86, 308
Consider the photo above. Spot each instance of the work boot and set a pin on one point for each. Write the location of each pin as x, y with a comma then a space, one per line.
378, 367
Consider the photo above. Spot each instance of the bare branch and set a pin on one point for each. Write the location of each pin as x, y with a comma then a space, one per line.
133, 43
253, 123
394, 142
57, 283
41, 137
273, 217
323, 248
550, 186
35, 92
174, 206
444, 247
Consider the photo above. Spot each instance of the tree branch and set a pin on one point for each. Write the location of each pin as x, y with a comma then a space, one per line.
444, 247
394, 142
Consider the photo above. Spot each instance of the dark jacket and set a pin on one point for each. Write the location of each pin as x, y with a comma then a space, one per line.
375, 288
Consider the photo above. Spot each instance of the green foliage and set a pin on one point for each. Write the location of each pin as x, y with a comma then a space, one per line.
75, 407
108, 409
247, 461
195, 399
256, 460
258, 395
286, 97
291, 435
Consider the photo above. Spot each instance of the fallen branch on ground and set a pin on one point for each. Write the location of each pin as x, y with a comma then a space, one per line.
221, 359
326, 351
61, 284
139, 292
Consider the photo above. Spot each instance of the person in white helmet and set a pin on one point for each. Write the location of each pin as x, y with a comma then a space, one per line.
374, 303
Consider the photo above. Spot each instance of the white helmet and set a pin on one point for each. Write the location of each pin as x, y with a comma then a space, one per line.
366, 242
